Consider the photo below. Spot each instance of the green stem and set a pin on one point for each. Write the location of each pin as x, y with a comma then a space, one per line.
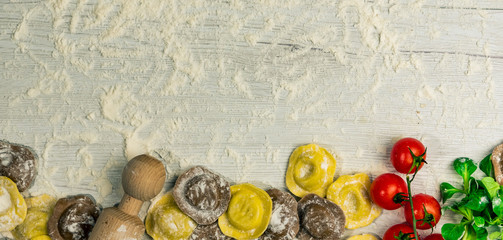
412, 207
466, 185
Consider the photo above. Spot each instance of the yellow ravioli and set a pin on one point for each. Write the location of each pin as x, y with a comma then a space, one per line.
42, 237
12, 205
35, 224
43, 201
311, 169
165, 221
363, 237
248, 214
351, 193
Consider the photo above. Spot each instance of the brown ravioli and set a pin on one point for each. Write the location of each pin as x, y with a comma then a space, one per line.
73, 218
17, 162
208, 232
284, 223
202, 195
320, 219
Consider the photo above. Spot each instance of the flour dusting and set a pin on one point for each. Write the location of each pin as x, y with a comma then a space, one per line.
237, 85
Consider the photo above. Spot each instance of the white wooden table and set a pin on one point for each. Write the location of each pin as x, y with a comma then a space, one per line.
237, 85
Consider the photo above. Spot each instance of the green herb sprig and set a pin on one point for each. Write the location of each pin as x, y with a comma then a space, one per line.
481, 204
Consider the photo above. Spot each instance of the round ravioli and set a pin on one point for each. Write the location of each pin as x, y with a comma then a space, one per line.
311, 169
351, 193
13, 207
284, 223
208, 232
165, 221
202, 195
73, 218
35, 225
366, 236
320, 219
42, 237
248, 214
18, 163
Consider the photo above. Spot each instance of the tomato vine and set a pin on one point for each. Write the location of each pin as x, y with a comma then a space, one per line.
421, 210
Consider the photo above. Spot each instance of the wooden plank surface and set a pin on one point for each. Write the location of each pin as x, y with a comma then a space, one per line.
237, 85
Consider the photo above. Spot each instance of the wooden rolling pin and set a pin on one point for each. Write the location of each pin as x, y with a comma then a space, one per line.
497, 161
142, 179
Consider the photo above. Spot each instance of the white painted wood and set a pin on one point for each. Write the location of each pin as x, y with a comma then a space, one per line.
236, 86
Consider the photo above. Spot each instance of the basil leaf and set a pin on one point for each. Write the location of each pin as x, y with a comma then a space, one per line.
488, 215
460, 208
491, 186
474, 185
486, 166
470, 233
452, 231
480, 232
481, 206
447, 190
479, 221
498, 204
477, 200
454, 208
494, 235
465, 167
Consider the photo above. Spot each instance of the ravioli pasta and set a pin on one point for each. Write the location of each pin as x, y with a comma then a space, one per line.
351, 193
35, 225
165, 221
248, 214
311, 169
13, 206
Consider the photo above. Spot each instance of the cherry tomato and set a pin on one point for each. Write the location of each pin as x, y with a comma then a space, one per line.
421, 202
401, 158
393, 233
435, 236
384, 189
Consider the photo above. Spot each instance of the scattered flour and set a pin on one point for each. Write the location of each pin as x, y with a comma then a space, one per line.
239, 84
122, 228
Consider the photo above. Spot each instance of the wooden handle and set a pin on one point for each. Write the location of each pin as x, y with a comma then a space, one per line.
114, 224
142, 179
130, 205
497, 161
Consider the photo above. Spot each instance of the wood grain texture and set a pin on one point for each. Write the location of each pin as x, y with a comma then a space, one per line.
237, 85
143, 177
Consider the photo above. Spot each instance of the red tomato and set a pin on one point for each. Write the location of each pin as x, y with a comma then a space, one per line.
435, 236
384, 189
401, 158
420, 202
393, 233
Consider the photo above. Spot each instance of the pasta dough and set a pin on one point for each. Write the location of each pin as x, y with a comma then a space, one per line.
165, 221
35, 225
248, 214
351, 193
12, 205
311, 169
